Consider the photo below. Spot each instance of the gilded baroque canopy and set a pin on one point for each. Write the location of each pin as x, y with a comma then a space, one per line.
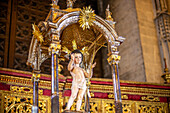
61, 27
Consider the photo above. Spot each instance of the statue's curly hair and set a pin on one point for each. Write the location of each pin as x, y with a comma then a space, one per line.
76, 51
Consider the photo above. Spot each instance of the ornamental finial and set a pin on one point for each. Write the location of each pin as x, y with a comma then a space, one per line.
108, 14
70, 3
165, 69
109, 18
55, 2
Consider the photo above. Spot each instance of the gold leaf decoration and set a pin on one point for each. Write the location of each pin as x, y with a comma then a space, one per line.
87, 16
37, 34
84, 50
66, 50
74, 45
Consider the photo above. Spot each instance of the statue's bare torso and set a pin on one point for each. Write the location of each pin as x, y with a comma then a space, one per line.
78, 78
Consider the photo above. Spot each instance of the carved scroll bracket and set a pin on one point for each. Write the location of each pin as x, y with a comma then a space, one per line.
55, 46
113, 58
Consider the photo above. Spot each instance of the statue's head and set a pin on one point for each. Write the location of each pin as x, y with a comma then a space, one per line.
78, 56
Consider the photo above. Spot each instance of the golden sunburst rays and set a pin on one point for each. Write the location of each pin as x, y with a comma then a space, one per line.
66, 50
37, 34
84, 50
74, 45
86, 18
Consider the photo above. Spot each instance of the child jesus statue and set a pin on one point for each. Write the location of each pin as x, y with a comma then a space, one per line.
79, 82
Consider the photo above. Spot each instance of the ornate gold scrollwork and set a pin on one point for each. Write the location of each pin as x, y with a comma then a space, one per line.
94, 106
92, 94
124, 97
114, 59
16, 104
109, 107
37, 76
111, 95
150, 98
55, 47
151, 108
10, 100
26, 90
127, 108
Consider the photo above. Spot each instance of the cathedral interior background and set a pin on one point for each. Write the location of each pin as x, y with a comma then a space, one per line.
144, 68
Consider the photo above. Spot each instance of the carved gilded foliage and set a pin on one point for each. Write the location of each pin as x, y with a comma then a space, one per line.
22, 102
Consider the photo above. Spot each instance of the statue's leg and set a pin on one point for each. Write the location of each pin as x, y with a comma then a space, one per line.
74, 91
80, 98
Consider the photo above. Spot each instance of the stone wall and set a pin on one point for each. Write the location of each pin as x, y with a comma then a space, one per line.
132, 63
140, 52
149, 41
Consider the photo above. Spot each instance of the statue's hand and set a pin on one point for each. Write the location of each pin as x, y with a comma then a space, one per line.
72, 56
93, 65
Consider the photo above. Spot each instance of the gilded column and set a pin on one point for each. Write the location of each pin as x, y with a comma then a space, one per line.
54, 51
54, 48
35, 80
113, 60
